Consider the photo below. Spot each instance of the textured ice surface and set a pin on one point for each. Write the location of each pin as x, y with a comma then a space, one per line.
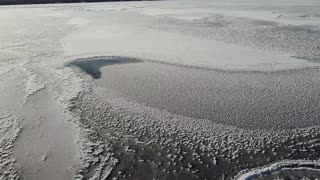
122, 132
29, 105
279, 100
171, 146
283, 11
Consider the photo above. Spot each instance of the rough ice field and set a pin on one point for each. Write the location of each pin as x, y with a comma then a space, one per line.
280, 100
160, 90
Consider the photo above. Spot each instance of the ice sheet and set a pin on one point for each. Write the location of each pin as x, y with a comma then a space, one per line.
37, 41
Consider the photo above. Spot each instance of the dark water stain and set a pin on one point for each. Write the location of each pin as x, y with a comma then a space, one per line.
309, 59
92, 65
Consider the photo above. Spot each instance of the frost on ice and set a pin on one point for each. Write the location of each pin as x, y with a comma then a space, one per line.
167, 90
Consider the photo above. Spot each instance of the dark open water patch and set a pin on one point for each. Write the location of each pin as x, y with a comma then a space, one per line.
92, 65
285, 100
309, 59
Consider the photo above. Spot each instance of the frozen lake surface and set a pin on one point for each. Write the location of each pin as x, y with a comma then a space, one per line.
252, 100
160, 90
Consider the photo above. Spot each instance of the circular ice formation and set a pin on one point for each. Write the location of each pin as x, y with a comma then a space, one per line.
285, 169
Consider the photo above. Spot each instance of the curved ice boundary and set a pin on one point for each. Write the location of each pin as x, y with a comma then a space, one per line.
279, 167
92, 65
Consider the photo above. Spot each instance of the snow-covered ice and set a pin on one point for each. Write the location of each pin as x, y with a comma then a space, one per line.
160, 90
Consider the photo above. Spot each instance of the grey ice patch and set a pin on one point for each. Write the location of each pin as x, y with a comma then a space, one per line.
242, 99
